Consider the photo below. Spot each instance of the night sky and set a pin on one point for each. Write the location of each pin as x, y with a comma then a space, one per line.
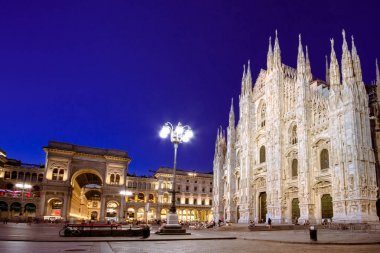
110, 73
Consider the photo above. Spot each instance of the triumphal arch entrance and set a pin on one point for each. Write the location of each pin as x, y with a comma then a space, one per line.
81, 182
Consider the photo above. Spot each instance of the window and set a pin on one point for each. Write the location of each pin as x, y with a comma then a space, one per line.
186, 201
179, 187
262, 115
203, 189
293, 135
55, 174
178, 200
40, 177
60, 177
27, 176
187, 188
295, 168
117, 179
112, 178
14, 175
203, 202
195, 188
324, 159
262, 154
7, 175
210, 189
34, 177
195, 201
20, 175
187, 181
210, 202
195, 181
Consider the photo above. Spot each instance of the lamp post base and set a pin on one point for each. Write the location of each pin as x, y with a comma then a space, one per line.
172, 227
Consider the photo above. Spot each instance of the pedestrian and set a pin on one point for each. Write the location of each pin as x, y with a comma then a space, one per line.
219, 222
270, 223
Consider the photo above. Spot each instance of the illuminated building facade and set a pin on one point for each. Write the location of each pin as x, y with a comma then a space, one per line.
302, 147
85, 183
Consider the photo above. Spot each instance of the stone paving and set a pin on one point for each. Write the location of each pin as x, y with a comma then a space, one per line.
44, 238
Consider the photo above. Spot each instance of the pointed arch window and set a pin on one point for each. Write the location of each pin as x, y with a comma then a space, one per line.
262, 154
294, 168
293, 135
324, 159
262, 115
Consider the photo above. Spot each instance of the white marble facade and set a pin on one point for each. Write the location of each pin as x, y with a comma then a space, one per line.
301, 148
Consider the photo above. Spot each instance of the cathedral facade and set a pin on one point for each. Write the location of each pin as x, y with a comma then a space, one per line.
301, 149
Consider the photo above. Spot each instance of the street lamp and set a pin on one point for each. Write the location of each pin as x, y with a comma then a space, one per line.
178, 134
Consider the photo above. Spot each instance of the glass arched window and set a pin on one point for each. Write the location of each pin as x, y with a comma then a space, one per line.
21, 175
55, 174
293, 135
40, 177
262, 115
27, 176
324, 159
117, 179
34, 177
295, 168
14, 175
262, 154
112, 178
141, 197
60, 177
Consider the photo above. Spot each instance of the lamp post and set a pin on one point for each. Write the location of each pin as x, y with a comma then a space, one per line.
178, 134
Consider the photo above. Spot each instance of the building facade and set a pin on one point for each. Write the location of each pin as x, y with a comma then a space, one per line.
302, 147
85, 183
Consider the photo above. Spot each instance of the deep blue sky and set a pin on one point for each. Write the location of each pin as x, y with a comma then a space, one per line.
110, 73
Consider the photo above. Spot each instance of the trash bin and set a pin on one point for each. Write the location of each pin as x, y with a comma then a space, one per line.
146, 232
313, 233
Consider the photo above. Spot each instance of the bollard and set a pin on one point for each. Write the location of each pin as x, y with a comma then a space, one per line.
313, 233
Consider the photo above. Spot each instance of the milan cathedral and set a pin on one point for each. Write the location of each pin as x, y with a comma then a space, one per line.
301, 149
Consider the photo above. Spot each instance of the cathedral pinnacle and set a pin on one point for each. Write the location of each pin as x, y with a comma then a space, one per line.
347, 71
309, 76
232, 114
334, 66
300, 59
248, 78
270, 55
356, 62
277, 53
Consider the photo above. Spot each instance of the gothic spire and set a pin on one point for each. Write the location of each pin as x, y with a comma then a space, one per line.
301, 65
334, 66
309, 76
232, 114
270, 56
347, 71
327, 70
243, 80
248, 78
356, 62
277, 54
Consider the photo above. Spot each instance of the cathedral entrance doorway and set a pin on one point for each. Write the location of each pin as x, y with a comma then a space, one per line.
326, 206
86, 195
262, 207
295, 209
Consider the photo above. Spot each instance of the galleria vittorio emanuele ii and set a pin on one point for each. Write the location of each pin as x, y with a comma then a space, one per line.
302, 148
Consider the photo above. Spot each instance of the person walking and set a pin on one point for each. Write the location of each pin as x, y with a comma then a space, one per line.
270, 223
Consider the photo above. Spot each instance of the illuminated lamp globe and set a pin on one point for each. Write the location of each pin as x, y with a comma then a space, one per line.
165, 131
179, 129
